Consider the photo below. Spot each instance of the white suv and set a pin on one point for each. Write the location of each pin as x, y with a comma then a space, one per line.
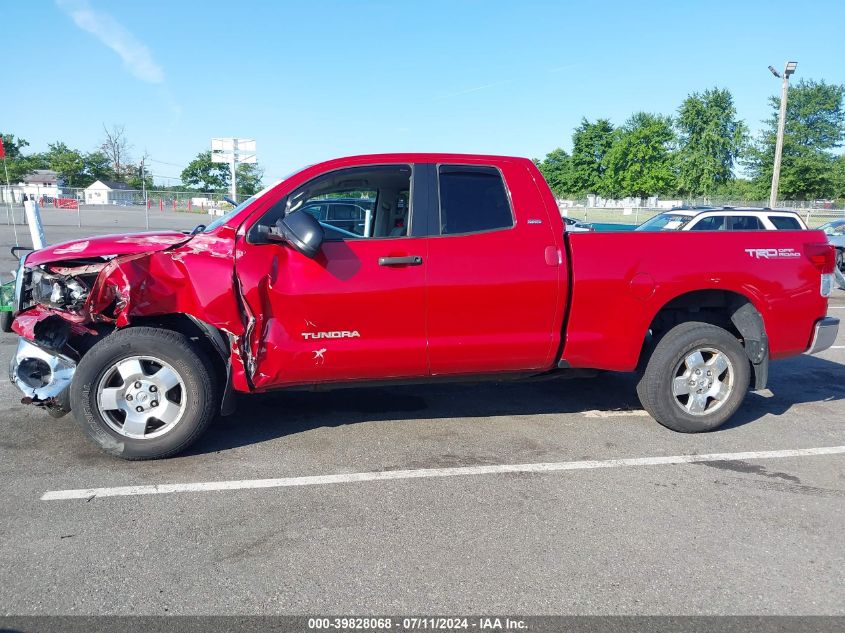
724, 219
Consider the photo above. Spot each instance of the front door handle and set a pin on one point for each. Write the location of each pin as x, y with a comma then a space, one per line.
409, 260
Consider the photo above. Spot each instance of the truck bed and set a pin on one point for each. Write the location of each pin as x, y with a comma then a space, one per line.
620, 281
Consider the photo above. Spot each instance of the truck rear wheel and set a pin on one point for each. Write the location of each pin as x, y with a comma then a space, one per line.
144, 393
695, 379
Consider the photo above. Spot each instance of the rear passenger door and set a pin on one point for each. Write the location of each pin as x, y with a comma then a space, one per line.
492, 293
746, 223
711, 223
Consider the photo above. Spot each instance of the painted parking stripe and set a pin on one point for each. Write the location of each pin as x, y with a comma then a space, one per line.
621, 413
422, 473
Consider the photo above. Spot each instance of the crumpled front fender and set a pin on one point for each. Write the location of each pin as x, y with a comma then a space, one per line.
196, 278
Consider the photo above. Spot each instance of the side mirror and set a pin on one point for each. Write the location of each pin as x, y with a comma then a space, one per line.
300, 230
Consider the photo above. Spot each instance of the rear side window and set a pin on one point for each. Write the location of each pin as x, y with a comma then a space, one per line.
472, 199
713, 223
785, 223
747, 223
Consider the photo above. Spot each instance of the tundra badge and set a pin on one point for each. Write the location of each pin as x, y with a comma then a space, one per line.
339, 334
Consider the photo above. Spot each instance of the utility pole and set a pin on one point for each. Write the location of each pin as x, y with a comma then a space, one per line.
144, 193
234, 173
788, 70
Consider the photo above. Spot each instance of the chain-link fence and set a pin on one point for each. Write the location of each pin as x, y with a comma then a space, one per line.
113, 206
622, 216
104, 205
103, 196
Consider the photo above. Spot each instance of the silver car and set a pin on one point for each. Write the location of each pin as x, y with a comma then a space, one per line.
835, 232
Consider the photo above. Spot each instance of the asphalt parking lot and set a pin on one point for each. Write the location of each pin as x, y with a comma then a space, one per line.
757, 533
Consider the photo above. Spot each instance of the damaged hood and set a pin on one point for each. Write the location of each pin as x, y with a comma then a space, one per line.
108, 246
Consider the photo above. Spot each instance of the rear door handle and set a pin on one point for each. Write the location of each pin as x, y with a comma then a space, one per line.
409, 260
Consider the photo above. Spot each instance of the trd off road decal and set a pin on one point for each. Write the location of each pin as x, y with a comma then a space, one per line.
772, 253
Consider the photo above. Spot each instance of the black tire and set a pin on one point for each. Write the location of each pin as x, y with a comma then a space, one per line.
655, 387
6, 319
840, 259
192, 366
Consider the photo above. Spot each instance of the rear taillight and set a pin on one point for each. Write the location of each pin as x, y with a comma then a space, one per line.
823, 257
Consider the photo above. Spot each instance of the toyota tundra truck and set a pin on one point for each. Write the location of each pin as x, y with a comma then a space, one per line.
458, 267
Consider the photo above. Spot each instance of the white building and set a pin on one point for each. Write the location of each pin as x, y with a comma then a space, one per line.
108, 192
42, 183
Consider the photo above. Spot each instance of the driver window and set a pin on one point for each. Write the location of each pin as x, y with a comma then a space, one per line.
355, 203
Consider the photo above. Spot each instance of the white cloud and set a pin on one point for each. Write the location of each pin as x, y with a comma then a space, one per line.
134, 53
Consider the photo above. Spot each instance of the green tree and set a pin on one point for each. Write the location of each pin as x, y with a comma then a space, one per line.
13, 146
711, 138
815, 125
68, 163
556, 168
249, 179
205, 175
740, 190
97, 167
838, 177
17, 164
590, 144
640, 161
134, 179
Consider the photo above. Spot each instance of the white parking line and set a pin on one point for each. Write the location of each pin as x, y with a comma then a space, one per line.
615, 414
286, 482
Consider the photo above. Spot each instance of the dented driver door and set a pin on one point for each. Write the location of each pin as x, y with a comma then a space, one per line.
354, 312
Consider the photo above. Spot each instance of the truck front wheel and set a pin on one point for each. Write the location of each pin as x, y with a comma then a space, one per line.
144, 393
695, 379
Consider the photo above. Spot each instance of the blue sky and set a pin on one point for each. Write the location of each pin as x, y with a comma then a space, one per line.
318, 79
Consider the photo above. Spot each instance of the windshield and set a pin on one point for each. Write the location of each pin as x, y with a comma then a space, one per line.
665, 222
223, 219
228, 216
833, 228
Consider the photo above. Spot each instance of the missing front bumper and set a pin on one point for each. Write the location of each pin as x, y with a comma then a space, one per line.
42, 375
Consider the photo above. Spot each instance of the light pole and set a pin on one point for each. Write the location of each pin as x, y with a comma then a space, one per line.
144, 192
787, 71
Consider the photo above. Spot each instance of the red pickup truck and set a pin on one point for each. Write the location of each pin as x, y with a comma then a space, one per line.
404, 267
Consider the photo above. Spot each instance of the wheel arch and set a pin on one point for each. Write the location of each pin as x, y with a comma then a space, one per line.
728, 309
212, 340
